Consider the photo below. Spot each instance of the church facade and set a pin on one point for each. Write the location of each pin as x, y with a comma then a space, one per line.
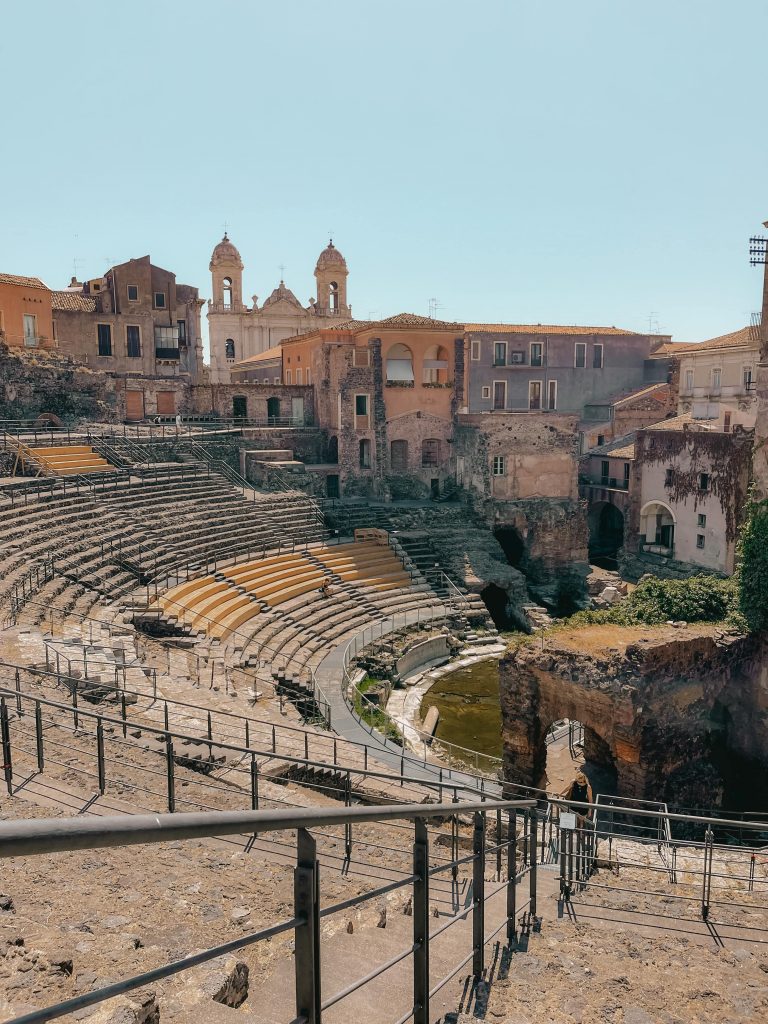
238, 331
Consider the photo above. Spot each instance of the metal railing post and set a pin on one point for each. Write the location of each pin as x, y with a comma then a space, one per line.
39, 736
421, 923
478, 896
306, 896
707, 880
5, 737
254, 783
511, 877
169, 767
534, 858
100, 756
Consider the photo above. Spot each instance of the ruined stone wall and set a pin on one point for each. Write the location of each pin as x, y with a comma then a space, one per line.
540, 452
219, 398
33, 383
677, 712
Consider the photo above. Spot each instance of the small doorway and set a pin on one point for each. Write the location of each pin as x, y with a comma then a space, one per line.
240, 407
332, 485
134, 405
166, 403
434, 486
273, 410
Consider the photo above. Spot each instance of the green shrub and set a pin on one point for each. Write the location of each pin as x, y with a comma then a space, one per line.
697, 599
752, 574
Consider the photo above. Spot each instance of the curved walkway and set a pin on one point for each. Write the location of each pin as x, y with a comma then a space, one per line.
330, 679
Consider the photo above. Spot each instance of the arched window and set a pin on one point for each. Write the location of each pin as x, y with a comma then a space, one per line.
365, 453
227, 290
399, 364
435, 366
430, 451
333, 295
229, 348
398, 456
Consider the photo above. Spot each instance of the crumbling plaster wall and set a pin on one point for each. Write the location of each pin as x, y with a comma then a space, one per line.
538, 495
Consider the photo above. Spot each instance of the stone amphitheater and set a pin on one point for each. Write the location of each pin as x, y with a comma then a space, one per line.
204, 820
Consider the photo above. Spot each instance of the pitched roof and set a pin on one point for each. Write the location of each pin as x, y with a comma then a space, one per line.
659, 389
262, 357
74, 302
414, 320
745, 337
674, 423
25, 282
548, 329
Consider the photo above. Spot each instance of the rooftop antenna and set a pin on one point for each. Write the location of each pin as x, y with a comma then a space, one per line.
653, 323
434, 305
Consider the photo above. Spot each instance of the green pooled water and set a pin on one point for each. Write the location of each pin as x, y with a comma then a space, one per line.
468, 702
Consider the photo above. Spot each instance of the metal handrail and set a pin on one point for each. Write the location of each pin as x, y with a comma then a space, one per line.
30, 838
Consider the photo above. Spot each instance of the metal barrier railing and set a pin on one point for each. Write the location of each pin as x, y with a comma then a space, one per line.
33, 838
694, 862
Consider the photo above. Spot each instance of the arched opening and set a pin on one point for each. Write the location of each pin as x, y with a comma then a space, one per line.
606, 534
273, 410
511, 543
399, 365
571, 747
496, 601
657, 528
227, 293
333, 449
333, 296
398, 456
365, 453
430, 451
229, 348
435, 365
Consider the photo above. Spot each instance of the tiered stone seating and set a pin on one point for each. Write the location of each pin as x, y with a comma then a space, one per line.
274, 610
66, 460
102, 538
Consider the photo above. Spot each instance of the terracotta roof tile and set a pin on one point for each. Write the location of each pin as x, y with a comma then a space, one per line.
262, 357
743, 338
73, 302
548, 329
26, 282
414, 320
661, 387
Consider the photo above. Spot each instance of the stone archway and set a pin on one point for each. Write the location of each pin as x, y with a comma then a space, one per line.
606, 530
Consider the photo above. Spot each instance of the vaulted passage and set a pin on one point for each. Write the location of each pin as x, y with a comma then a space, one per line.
496, 601
511, 543
606, 531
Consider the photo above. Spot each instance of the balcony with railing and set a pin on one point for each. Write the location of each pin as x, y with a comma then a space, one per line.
611, 483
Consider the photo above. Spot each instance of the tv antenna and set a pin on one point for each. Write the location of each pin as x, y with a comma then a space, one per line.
653, 323
434, 305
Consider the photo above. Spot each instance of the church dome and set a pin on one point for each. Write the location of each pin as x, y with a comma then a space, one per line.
330, 257
225, 252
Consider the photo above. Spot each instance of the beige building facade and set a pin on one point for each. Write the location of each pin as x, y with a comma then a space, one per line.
238, 331
134, 320
717, 379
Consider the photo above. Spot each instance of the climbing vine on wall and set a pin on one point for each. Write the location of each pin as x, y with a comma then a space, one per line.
725, 457
753, 566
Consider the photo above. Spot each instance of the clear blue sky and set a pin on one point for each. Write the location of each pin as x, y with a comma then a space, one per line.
556, 162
